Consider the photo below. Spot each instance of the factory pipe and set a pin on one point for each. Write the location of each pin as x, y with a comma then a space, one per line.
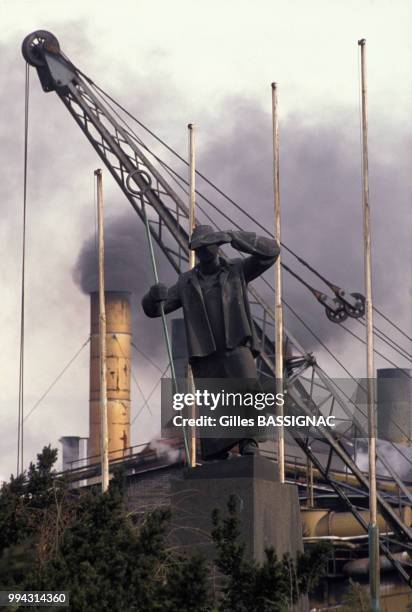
324, 522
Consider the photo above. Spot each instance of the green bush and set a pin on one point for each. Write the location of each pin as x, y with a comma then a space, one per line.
55, 538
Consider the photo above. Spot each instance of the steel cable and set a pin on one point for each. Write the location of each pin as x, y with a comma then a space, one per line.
218, 190
303, 262
58, 377
20, 430
210, 183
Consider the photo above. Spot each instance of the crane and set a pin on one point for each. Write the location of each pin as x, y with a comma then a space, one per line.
147, 189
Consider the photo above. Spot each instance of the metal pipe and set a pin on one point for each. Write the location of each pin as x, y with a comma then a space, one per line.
385, 507
278, 285
102, 337
332, 523
374, 577
360, 567
192, 261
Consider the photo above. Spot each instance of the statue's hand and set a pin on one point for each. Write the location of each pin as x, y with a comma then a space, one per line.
158, 292
217, 238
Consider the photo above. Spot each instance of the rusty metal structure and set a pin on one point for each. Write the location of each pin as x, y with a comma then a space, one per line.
118, 342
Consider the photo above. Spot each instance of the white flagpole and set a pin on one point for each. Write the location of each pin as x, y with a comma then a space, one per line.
278, 285
192, 261
374, 569
104, 438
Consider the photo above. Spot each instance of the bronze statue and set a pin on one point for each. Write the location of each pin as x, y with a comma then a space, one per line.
220, 333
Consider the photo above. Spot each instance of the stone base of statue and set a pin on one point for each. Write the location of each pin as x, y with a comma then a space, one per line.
268, 510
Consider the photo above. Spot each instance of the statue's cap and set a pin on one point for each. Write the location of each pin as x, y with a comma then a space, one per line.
199, 236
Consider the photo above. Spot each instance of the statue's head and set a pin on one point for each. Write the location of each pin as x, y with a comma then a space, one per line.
202, 243
207, 254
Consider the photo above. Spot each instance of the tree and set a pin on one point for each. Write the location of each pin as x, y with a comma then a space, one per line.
29, 509
356, 599
56, 538
273, 586
187, 586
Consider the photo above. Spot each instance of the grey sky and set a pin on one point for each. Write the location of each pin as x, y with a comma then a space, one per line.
211, 63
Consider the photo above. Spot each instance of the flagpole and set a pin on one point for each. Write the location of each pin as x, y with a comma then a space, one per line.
104, 437
278, 286
374, 576
192, 262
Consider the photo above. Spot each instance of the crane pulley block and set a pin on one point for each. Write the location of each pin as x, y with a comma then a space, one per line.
333, 306
41, 49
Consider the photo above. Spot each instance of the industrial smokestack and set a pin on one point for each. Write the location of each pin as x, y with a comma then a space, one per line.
70, 452
118, 347
395, 405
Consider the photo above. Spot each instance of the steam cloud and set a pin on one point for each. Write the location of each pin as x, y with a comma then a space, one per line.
399, 456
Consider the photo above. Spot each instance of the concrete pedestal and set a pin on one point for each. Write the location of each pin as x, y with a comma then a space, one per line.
269, 511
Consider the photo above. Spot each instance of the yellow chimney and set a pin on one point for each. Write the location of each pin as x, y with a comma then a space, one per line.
118, 343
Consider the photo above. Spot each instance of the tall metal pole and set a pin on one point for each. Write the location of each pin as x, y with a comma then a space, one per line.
374, 577
164, 323
278, 285
192, 261
104, 436
309, 482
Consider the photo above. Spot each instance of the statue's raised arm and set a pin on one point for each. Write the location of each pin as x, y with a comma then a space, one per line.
263, 252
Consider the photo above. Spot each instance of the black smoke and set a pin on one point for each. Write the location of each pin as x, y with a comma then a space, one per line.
321, 212
127, 264
321, 201
128, 267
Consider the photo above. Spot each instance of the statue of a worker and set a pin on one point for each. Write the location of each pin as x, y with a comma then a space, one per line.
220, 333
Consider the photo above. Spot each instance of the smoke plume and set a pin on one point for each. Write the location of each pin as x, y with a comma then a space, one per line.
127, 268
321, 212
321, 203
